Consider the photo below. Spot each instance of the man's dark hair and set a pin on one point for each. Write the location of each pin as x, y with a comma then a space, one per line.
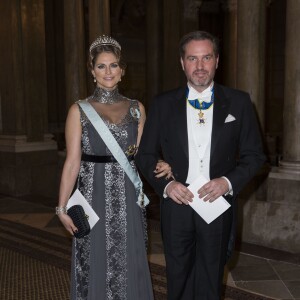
198, 36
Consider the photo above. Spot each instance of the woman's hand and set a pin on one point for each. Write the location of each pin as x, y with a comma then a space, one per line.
163, 169
68, 223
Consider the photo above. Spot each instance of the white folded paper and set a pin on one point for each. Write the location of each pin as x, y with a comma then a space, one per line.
77, 198
208, 211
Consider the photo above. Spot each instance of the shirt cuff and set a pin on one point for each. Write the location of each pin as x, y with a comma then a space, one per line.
165, 190
230, 191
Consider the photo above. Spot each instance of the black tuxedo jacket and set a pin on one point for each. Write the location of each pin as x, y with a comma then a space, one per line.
236, 147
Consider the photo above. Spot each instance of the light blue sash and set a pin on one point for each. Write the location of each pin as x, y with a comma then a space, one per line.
116, 150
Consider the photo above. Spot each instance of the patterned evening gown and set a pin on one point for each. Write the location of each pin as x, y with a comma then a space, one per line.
111, 262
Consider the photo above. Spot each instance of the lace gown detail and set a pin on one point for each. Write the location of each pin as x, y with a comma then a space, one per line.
111, 262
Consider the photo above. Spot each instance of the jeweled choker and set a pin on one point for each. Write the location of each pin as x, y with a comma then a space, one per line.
108, 97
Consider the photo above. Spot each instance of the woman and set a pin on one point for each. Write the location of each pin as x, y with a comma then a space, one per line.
111, 262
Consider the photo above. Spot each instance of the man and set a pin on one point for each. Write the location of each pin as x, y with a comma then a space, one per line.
201, 129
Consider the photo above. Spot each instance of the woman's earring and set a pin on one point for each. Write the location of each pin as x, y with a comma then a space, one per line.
95, 80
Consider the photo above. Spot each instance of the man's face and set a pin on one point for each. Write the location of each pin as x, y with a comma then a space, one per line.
199, 64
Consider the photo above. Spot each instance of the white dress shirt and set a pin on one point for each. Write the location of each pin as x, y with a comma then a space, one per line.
199, 136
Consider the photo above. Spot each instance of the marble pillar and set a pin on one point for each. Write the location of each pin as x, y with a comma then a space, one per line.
275, 221
251, 36
28, 154
229, 57
99, 21
154, 46
54, 39
99, 18
284, 181
291, 111
172, 32
191, 15
74, 52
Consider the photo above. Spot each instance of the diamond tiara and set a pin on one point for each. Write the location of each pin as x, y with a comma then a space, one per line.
104, 40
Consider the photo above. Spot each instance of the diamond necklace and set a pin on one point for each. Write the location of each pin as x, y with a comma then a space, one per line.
106, 96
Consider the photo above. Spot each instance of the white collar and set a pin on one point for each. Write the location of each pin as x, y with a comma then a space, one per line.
205, 95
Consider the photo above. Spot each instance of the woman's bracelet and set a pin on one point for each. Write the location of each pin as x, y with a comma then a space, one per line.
60, 210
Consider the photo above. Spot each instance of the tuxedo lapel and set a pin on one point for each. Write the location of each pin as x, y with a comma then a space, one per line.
180, 128
221, 107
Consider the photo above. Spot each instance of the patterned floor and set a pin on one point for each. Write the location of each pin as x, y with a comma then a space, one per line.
35, 253
39, 262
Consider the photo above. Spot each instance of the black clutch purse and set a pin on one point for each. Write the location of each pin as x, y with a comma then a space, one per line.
80, 220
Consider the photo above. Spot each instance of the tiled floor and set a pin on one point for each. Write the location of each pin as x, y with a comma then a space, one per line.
262, 271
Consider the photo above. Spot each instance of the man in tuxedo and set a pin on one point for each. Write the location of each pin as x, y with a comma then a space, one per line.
202, 129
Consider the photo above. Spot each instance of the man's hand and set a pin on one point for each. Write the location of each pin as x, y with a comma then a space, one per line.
179, 193
213, 189
163, 169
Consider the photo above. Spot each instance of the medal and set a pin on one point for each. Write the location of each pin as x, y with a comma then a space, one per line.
201, 105
201, 117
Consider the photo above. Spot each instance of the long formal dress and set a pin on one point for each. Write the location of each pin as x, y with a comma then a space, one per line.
111, 262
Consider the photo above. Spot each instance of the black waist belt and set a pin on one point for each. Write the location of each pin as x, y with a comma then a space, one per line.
101, 159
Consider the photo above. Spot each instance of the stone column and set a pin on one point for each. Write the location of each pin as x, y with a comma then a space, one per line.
251, 17
291, 111
74, 50
99, 18
229, 57
99, 23
172, 72
28, 154
284, 181
276, 221
154, 46
191, 15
